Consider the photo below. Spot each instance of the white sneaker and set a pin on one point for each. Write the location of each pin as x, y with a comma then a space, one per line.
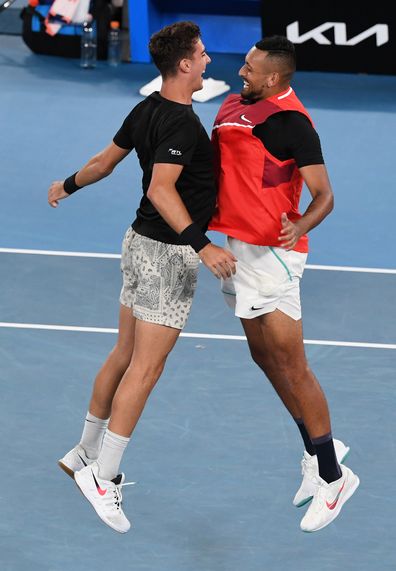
76, 459
310, 469
104, 495
328, 500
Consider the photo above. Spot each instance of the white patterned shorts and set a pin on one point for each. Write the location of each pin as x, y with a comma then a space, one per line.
159, 280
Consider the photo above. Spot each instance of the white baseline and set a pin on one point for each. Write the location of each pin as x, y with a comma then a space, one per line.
191, 335
118, 256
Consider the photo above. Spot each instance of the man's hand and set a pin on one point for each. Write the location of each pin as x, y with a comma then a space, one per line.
56, 193
289, 234
219, 261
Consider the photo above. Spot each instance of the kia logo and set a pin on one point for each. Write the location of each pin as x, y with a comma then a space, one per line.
380, 31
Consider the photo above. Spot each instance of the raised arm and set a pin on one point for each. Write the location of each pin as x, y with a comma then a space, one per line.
98, 167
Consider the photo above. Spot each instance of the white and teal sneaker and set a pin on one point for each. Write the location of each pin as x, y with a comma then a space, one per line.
328, 500
309, 471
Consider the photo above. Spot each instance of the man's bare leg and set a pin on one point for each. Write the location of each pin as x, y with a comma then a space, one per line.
113, 369
106, 383
276, 344
153, 344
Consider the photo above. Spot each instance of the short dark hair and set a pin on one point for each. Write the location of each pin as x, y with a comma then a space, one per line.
173, 43
281, 49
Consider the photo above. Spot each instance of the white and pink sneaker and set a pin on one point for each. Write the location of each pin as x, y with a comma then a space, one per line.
104, 495
75, 459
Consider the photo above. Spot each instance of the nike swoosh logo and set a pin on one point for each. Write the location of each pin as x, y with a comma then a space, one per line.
245, 119
82, 459
333, 504
255, 308
101, 492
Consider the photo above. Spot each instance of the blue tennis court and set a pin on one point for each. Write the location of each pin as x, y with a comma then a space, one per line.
215, 457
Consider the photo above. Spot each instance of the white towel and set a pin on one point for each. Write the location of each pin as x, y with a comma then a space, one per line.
81, 13
75, 11
153, 85
64, 8
211, 88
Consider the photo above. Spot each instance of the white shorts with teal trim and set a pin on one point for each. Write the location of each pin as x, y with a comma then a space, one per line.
266, 279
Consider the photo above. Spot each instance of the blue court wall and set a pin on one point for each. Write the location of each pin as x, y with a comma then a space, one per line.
227, 26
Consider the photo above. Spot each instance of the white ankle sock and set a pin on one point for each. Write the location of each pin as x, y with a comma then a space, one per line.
110, 455
92, 436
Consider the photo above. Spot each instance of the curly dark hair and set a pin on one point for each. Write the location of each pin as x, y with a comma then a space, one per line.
173, 43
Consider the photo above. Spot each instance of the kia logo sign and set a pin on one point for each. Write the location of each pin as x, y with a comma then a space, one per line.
380, 31
335, 36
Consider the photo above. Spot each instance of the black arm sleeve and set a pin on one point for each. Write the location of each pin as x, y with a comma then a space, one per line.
290, 135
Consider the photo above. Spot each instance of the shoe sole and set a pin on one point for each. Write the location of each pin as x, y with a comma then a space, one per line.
307, 500
303, 502
345, 455
97, 513
66, 469
337, 513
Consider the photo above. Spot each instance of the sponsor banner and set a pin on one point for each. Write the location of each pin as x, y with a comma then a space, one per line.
336, 37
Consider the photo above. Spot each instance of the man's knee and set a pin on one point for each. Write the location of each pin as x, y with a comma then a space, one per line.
282, 363
122, 354
260, 357
145, 375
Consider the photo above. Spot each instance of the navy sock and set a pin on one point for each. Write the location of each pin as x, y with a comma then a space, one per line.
329, 469
309, 447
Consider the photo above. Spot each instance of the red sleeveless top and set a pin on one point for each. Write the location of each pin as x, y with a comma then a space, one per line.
254, 187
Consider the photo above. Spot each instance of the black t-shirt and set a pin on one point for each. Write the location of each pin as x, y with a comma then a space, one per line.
290, 134
163, 131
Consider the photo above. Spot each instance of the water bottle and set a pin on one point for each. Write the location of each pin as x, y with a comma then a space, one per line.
114, 44
88, 45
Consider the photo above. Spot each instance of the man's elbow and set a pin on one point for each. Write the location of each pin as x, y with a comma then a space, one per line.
104, 169
330, 203
103, 166
160, 193
150, 194
154, 193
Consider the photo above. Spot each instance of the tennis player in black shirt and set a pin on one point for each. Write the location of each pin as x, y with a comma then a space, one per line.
160, 258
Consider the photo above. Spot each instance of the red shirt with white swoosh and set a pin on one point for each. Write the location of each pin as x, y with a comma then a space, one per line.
254, 187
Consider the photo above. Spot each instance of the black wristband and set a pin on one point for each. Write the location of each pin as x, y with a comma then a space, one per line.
194, 237
70, 184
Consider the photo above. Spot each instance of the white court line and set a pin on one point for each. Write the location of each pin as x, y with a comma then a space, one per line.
118, 256
351, 269
193, 335
58, 253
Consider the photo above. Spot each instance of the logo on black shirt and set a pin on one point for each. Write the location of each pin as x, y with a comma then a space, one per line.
174, 152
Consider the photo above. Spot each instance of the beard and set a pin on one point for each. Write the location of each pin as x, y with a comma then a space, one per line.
250, 95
